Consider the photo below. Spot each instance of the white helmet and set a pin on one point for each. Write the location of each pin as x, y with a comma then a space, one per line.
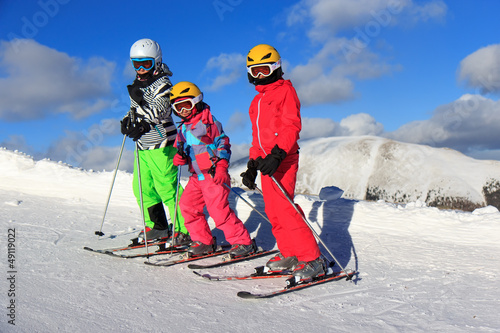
147, 48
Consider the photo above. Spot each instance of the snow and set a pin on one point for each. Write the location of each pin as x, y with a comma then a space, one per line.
396, 171
420, 269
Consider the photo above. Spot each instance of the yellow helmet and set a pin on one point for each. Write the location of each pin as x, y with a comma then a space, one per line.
185, 89
185, 96
262, 54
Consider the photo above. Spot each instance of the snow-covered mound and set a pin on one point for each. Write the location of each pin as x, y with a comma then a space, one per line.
374, 168
21, 173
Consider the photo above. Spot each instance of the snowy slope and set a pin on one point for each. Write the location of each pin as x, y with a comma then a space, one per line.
420, 269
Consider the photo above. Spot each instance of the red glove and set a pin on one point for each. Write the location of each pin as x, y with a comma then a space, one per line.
179, 160
221, 175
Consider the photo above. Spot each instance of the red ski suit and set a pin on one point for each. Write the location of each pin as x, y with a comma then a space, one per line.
202, 136
275, 116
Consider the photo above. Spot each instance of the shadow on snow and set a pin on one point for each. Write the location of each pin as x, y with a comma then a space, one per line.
334, 230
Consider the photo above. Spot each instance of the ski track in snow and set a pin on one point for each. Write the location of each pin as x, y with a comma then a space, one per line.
420, 269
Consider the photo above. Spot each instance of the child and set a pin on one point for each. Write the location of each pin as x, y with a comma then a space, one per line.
276, 123
202, 144
150, 124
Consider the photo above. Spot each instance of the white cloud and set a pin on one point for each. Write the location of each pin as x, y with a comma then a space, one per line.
228, 68
361, 124
239, 152
237, 121
319, 128
433, 10
17, 142
40, 81
472, 122
481, 69
329, 17
86, 148
353, 125
329, 75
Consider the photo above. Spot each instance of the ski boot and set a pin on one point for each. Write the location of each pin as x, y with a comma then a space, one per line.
308, 270
238, 250
197, 249
279, 263
180, 239
153, 234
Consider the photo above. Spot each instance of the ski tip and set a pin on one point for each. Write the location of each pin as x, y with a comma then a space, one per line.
195, 266
88, 248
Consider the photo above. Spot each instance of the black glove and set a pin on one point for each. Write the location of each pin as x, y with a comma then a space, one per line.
248, 177
125, 125
134, 130
271, 162
180, 150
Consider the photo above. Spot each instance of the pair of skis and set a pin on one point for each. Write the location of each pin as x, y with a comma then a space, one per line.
220, 250
291, 283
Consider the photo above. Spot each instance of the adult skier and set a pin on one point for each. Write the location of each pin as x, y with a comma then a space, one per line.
276, 123
204, 146
149, 123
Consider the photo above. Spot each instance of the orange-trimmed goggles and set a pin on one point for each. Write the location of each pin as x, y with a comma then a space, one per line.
144, 63
264, 69
186, 103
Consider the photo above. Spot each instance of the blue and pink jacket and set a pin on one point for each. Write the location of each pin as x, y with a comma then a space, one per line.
204, 142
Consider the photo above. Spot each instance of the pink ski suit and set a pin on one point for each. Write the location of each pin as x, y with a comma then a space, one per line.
275, 117
206, 144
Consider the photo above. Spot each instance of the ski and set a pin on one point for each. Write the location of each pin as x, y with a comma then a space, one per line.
219, 251
292, 285
227, 260
132, 246
161, 250
259, 274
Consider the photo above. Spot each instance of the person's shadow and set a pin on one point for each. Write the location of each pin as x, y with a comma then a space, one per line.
337, 215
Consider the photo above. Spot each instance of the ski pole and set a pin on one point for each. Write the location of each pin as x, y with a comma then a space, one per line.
176, 207
141, 199
249, 204
212, 155
140, 196
307, 223
100, 233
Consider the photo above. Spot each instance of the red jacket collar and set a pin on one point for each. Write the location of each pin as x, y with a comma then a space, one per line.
205, 115
272, 86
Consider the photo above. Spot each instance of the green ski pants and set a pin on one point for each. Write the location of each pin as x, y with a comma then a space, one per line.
159, 184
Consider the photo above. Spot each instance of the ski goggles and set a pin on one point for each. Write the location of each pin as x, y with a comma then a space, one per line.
144, 63
264, 69
186, 104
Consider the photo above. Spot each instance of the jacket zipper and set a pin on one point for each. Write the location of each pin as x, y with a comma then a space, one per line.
257, 123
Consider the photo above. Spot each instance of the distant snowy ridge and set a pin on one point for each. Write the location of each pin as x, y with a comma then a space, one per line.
375, 168
365, 168
21, 173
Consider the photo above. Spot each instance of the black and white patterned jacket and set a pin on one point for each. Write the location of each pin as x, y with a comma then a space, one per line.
151, 101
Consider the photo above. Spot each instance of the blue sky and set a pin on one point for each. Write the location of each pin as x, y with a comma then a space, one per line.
419, 71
